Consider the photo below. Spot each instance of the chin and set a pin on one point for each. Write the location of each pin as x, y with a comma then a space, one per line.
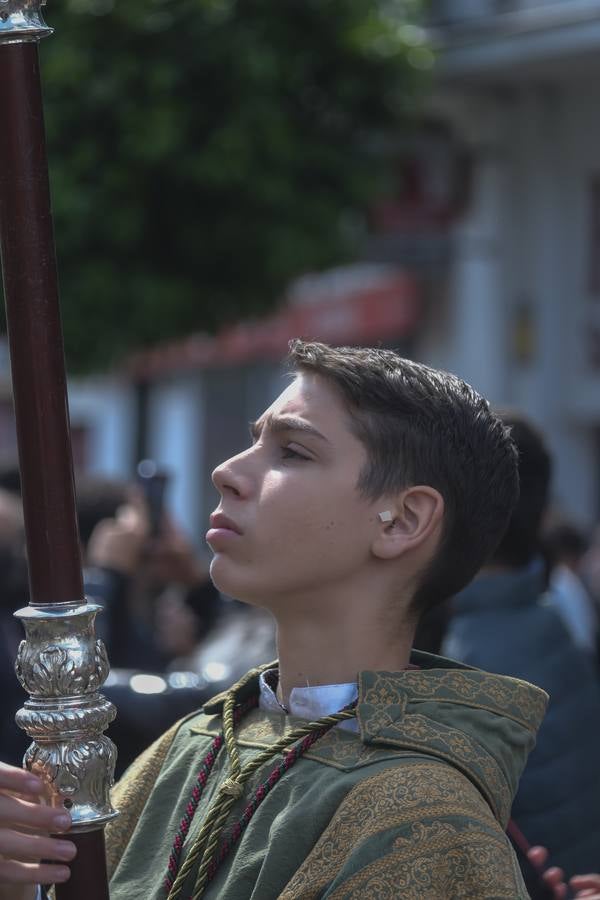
225, 580
236, 581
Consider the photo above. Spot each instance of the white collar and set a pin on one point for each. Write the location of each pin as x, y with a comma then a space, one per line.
310, 702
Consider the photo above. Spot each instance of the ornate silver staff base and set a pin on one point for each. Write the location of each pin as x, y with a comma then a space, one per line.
61, 666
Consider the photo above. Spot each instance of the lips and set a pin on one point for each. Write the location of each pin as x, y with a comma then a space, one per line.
218, 520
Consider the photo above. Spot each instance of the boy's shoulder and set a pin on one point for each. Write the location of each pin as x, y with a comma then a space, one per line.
421, 828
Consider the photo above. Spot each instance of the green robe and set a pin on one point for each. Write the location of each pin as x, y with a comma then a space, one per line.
413, 806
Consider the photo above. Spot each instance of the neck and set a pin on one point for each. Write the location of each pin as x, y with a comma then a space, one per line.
321, 652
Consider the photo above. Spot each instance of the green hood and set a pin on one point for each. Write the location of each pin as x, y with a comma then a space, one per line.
483, 724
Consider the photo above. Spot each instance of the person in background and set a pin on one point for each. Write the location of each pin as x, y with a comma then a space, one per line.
586, 886
98, 497
183, 621
112, 527
590, 570
114, 530
239, 637
129, 569
565, 547
504, 623
581, 886
157, 597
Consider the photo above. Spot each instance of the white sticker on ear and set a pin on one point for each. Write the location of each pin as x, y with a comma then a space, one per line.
385, 516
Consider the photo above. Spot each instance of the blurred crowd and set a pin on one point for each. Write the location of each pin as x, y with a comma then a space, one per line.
174, 641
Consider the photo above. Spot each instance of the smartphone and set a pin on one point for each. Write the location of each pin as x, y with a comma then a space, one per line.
153, 482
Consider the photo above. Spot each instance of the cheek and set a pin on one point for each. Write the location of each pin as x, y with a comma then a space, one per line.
314, 541
321, 514
286, 504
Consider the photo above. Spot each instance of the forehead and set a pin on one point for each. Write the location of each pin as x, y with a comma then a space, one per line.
311, 398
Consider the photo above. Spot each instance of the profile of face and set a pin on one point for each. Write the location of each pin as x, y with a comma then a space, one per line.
291, 523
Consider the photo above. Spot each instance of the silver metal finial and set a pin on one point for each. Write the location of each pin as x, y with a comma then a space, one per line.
22, 20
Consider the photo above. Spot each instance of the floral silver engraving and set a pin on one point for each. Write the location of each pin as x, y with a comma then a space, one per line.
62, 665
59, 671
78, 772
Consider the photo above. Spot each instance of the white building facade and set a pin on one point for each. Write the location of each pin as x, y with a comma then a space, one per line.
519, 84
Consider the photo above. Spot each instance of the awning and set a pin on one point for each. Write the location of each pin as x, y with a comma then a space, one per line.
363, 304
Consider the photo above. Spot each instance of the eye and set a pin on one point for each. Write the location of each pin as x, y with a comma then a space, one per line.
290, 453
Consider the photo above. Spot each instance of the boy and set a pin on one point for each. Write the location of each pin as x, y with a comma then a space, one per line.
374, 488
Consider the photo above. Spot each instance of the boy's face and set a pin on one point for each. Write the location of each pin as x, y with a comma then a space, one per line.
304, 529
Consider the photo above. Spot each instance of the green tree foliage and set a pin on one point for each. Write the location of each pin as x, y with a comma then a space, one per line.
204, 152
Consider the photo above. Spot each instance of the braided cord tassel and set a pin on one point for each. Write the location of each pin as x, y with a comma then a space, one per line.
197, 791
311, 732
228, 733
190, 811
259, 795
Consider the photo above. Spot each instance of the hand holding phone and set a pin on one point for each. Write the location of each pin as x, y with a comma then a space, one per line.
153, 482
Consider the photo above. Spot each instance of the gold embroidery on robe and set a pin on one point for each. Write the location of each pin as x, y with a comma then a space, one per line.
449, 843
131, 793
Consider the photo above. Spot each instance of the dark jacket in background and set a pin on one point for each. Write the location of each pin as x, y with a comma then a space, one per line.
501, 623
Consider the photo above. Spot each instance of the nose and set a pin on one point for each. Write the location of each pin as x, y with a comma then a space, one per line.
229, 478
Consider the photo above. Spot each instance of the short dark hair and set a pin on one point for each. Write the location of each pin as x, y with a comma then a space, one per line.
521, 542
423, 426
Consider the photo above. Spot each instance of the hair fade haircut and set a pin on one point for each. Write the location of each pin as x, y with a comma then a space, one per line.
422, 426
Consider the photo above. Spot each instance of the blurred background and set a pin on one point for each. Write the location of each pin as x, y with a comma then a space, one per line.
421, 176
229, 174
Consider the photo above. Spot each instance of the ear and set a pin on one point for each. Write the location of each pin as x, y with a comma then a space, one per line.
417, 516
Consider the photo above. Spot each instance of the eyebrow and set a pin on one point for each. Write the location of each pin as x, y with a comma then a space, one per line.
277, 424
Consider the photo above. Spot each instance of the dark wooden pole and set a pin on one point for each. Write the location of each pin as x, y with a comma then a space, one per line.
35, 335
38, 373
